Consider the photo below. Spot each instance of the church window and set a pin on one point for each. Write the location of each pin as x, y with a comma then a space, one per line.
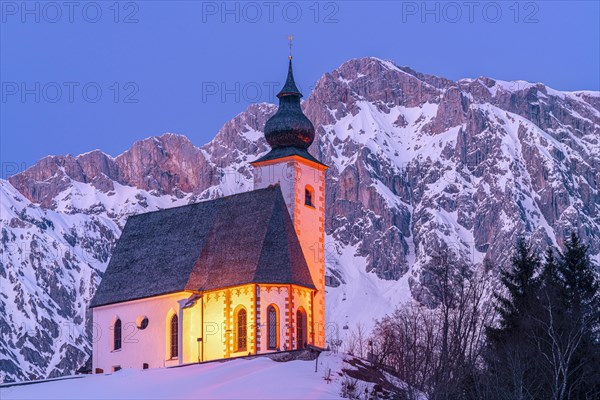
174, 336
309, 194
117, 335
271, 328
241, 330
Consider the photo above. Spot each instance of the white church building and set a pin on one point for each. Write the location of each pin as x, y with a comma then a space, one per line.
238, 275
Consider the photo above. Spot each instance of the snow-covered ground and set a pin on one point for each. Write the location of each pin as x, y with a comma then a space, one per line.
257, 378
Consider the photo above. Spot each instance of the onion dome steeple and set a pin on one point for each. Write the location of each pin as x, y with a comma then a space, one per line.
289, 127
289, 88
288, 131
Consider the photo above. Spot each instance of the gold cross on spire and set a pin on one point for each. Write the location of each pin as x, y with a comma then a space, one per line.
290, 38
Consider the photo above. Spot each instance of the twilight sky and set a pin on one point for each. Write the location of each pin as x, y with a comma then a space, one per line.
84, 75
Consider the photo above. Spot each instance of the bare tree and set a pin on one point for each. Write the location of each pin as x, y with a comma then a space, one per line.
436, 350
357, 343
558, 344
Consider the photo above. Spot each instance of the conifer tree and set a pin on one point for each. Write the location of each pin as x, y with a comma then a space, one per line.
551, 336
580, 282
510, 354
549, 276
521, 284
578, 320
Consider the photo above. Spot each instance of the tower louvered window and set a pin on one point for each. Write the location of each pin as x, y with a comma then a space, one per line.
308, 196
271, 328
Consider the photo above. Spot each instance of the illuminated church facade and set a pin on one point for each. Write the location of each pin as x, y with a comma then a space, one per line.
234, 276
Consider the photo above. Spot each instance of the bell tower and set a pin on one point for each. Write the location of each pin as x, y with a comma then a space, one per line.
301, 178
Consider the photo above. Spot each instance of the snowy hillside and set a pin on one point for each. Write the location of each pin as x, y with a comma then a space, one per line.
258, 378
420, 166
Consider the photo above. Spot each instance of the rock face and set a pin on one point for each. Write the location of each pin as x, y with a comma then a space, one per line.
166, 165
420, 166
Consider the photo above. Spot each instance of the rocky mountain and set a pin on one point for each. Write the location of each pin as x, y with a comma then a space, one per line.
420, 166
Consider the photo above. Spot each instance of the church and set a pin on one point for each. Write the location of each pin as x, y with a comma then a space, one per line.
235, 276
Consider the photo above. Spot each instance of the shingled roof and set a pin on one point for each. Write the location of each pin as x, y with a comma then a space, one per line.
234, 240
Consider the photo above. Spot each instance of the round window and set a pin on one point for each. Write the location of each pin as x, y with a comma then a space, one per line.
142, 322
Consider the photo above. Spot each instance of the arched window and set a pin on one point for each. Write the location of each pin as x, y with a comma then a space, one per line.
117, 335
301, 328
241, 331
309, 196
174, 336
271, 328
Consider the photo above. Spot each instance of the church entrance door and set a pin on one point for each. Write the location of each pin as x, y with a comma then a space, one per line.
301, 329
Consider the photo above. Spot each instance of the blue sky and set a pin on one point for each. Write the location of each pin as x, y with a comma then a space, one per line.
104, 74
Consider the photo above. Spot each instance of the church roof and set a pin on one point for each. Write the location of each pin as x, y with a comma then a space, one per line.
282, 152
230, 241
